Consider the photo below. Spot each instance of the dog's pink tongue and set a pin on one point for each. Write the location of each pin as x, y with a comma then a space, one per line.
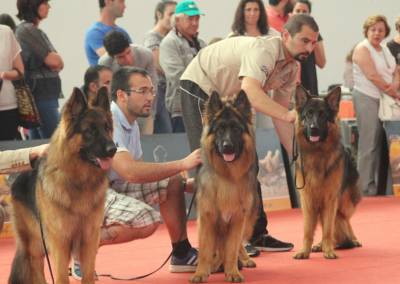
229, 157
105, 164
314, 138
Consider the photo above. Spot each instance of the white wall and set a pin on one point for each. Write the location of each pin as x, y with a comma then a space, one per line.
340, 24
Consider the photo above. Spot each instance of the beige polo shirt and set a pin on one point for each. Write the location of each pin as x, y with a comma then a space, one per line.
220, 66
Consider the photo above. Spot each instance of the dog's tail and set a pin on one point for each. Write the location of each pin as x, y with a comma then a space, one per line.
21, 270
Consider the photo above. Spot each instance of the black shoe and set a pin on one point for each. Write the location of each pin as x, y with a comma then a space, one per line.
268, 243
251, 250
185, 264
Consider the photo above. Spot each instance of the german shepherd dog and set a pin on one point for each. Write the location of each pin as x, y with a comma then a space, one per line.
328, 174
227, 199
65, 194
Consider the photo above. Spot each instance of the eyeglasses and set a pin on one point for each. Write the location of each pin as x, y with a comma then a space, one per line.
144, 91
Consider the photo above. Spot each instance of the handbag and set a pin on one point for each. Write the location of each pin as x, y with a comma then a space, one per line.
389, 108
27, 110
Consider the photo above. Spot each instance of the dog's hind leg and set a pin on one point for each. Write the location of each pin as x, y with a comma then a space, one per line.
28, 265
344, 235
245, 259
21, 270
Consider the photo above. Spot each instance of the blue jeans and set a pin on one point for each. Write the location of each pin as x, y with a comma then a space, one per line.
49, 115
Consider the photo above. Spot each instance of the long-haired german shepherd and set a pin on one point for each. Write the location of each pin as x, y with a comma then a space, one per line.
227, 199
327, 173
65, 194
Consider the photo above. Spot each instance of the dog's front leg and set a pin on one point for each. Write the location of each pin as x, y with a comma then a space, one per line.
232, 246
60, 250
89, 245
207, 242
310, 216
328, 216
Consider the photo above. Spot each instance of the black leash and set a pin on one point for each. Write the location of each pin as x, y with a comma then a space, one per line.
165, 261
295, 155
45, 248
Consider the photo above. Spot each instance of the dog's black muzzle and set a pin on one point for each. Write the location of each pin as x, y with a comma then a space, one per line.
103, 159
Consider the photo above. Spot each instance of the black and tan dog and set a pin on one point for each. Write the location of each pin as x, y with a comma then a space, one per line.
227, 199
66, 193
327, 173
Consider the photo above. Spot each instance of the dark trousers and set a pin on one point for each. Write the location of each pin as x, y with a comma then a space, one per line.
177, 124
193, 99
162, 119
8, 124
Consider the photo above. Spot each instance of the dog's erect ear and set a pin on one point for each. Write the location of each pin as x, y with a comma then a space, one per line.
76, 104
301, 96
214, 104
333, 99
242, 103
102, 99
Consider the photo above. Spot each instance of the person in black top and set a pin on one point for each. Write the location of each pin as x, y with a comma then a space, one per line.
394, 44
317, 57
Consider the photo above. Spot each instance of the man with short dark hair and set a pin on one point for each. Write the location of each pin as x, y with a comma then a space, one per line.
95, 77
137, 186
255, 65
110, 10
177, 49
121, 53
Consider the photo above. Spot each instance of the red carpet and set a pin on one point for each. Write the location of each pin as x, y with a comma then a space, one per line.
376, 223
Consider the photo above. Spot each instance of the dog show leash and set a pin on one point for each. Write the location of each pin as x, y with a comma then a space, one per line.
45, 248
295, 155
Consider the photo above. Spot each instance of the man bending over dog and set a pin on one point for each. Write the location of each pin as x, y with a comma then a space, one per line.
256, 65
137, 185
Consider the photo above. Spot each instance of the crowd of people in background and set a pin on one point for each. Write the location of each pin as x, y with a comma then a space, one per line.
160, 86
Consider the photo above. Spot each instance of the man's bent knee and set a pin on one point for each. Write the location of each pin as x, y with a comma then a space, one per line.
122, 233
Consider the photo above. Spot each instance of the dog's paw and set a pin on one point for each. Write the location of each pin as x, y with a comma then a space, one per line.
317, 248
357, 244
248, 263
330, 254
302, 255
234, 277
199, 278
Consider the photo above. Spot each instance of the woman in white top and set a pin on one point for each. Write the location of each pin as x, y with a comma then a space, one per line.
10, 59
374, 73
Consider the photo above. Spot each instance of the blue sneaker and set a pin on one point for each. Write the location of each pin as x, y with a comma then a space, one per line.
185, 264
76, 271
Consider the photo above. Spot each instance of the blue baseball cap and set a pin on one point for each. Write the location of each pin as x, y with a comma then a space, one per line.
188, 8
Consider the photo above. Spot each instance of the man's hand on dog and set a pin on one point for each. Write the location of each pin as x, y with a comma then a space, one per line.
291, 116
192, 160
